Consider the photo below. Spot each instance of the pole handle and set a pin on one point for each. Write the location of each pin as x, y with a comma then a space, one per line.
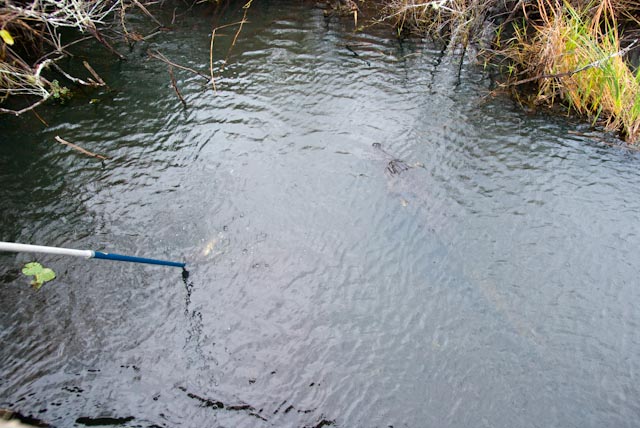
27, 248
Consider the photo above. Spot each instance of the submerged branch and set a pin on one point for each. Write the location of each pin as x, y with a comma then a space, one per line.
175, 86
80, 149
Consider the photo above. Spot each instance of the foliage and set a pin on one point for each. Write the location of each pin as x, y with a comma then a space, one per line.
40, 274
60, 93
568, 51
575, 56
7, 37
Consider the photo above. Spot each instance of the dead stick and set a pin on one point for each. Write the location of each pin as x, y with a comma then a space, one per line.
157, 55
235, 37
232, 24
175, 87
74, 79
80, 149
213, 81
146, 12
31, 107
93, 73
94, 31
40, 118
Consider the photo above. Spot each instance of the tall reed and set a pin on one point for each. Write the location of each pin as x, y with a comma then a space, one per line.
570, 51
575, 56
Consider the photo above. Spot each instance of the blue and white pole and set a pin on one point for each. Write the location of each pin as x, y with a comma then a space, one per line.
87, 254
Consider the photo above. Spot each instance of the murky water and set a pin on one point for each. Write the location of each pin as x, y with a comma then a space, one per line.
492, 284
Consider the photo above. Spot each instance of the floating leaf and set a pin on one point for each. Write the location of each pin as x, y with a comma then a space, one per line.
6, 37
41, 274
32, 268
46, 275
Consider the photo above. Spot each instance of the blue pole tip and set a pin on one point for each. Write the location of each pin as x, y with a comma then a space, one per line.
123, 258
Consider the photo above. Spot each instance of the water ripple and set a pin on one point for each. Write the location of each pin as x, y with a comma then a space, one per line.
493, 283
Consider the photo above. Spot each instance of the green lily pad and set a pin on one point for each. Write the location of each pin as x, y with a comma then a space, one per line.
40, 273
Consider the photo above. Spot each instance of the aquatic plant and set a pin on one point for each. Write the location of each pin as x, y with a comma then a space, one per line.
40, 274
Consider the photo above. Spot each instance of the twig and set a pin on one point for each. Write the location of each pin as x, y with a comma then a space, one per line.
74, 79
63, 49
93, 73
149, 36
157, 55
146, 12
235, 37
175, 87
40, 118
80, 149
26, 109
94, 31
213, 81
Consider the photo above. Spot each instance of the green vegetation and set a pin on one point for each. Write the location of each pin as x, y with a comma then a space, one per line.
40, 274
576, 56
560, 51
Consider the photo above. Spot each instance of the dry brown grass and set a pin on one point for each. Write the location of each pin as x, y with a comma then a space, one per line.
32, 43
457, 21
575, 57
570, 51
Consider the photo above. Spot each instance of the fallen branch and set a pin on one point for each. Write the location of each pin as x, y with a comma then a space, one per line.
80, 149
44, 122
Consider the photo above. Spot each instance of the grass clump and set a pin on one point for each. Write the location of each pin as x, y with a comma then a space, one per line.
575, 56
568, 52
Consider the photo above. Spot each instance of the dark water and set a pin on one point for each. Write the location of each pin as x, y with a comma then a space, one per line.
497, 286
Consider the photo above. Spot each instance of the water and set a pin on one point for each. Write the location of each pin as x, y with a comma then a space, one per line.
497, 286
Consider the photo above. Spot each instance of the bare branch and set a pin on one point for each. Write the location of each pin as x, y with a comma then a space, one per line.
80, 149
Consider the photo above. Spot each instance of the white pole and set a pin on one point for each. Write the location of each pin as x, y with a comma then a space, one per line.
26, 248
